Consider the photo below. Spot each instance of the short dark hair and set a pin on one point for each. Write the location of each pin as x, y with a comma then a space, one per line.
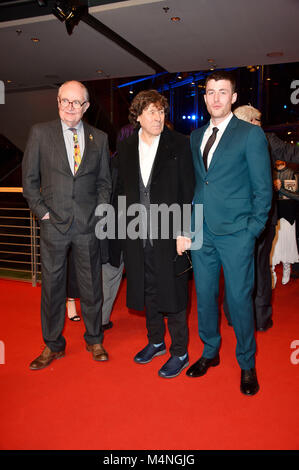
223, 75
144, 99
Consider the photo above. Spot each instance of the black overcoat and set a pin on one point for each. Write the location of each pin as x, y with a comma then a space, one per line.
172, 182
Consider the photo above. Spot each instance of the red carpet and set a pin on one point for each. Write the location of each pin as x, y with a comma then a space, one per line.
77, 403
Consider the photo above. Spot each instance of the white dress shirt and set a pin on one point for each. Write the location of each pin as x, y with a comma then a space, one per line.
222, 126
69, 142
147, 155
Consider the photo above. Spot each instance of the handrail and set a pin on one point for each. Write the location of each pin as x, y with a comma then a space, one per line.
12, 234
11, 190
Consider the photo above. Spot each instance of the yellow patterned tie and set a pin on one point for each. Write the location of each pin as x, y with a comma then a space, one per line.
77, 153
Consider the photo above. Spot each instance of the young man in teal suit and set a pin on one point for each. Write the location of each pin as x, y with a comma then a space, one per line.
233, 183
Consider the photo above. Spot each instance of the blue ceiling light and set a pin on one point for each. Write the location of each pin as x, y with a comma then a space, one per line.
151, 77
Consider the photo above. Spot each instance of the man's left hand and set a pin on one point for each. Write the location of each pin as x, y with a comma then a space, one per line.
182, 244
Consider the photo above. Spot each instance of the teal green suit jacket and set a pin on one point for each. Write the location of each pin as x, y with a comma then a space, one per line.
236, 191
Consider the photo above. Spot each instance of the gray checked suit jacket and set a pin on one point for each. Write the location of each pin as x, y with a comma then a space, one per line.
50, 186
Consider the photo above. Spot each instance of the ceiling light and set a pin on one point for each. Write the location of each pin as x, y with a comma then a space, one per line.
275, 54
35, 40
175, 19
70, 11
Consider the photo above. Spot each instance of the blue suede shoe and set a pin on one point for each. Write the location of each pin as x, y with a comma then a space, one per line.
149, 352
173, 367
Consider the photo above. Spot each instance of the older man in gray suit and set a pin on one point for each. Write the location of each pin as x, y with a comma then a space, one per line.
65, 176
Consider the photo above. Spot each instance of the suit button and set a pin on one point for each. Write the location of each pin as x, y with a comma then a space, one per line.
207, 182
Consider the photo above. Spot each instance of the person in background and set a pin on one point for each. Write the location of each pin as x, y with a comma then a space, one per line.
112, 270
284, 248
262, 295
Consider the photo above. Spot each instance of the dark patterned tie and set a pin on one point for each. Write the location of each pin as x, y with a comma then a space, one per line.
208, 146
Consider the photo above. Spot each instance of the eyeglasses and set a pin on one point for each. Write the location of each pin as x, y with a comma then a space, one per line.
188, 260
64, 102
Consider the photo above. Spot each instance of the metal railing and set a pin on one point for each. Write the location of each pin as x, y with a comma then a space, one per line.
19, 240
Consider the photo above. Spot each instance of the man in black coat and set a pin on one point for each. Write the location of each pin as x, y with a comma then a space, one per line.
65, 177
155, 168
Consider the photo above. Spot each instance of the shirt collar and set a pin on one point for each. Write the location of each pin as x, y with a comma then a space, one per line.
223, 124
65, 127
141, 141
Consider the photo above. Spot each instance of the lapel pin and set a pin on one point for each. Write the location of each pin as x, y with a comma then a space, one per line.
90, 137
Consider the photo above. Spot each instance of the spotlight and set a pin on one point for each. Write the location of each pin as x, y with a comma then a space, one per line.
70, 11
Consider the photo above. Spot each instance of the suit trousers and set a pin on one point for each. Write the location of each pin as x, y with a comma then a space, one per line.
111, 277
235, 253
54, 247
262, 293
177, 322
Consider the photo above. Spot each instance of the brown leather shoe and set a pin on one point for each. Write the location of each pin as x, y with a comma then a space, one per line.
46, 357
98, 352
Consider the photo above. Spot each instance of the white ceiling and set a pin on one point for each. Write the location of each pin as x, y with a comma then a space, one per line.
231, 32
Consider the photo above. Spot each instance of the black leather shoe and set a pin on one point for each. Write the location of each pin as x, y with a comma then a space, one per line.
249, 384
107, 326
200, 367
267, 326
295, 275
